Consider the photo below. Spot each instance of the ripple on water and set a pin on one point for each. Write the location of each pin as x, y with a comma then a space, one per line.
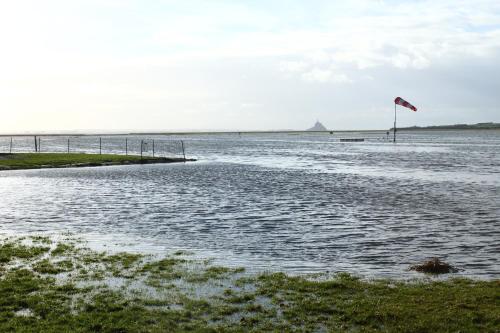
367, 208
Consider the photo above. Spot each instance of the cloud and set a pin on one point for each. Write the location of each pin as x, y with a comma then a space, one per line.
191, 61
322, 75
293, 66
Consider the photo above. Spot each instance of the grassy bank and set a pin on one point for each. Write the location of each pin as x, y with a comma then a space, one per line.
61, 286
62, 160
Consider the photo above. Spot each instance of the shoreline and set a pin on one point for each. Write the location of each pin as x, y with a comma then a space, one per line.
122, 242
195, 133
60, 284
29, 161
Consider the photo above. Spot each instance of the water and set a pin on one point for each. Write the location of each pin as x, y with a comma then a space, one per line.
292, 202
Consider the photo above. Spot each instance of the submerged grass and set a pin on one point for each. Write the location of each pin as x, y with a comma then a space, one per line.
12, 250
61, 160
61, 287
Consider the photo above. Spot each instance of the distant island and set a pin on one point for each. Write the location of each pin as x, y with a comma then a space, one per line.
318, 127
456, 126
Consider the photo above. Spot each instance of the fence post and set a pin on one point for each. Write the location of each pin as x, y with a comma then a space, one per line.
68, 145
153, 148
142, 145
100, 146
10, 148
183, 151
126, 146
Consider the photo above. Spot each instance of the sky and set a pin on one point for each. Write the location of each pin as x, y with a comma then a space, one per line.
173, 65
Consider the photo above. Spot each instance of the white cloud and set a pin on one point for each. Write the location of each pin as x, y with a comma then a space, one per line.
159, 56
318, 75
293, 66
325, 75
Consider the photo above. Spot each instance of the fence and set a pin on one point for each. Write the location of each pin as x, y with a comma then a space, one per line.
122, 145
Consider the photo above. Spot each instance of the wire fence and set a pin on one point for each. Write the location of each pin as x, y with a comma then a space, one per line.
117, 145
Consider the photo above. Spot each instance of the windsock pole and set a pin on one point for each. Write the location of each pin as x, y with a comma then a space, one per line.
404, 103
394, 123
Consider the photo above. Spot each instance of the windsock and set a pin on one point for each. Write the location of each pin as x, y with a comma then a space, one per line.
404, 103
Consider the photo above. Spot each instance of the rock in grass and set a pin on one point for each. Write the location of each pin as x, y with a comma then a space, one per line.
434, 266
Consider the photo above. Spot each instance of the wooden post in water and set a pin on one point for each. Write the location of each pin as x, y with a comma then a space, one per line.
100, 146
394, 122
142, 145
183, 151
68, 145
126, 146
10, 147
153, 148
39, 144
36, 145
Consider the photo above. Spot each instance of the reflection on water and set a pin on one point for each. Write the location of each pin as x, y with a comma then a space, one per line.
301, 203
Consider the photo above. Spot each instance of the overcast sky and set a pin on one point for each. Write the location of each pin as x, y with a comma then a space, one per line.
246, 65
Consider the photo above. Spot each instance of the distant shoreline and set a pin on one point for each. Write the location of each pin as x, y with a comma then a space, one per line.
481, 126
478, 126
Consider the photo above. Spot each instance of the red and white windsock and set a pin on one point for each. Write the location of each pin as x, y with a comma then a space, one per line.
404, 103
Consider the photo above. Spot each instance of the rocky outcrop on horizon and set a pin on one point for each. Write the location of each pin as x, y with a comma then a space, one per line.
317, 127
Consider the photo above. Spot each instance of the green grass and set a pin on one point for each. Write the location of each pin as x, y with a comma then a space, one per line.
68, 288
13, 250
60, 160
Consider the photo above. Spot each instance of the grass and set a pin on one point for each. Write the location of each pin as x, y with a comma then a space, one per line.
62, 160
65, 287
14, 250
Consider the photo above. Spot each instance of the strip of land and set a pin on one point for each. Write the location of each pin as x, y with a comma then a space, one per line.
478, 126
20, 161
59, 285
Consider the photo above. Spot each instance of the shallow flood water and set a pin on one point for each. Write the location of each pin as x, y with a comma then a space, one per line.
293, 202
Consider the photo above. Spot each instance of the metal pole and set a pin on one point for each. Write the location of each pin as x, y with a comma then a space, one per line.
153, 148
68, 145
100, 146
126, 146
10, 148
183, 151
394, 123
